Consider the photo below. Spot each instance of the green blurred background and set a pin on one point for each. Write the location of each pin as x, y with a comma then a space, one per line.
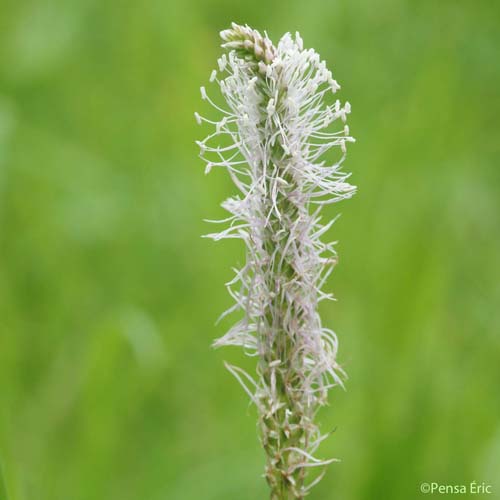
108, 296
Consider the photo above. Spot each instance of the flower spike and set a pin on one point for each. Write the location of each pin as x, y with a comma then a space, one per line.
273, 141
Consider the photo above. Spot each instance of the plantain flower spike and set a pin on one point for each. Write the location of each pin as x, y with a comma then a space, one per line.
278, 145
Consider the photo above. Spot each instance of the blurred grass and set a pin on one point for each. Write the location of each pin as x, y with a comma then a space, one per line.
108, 386
3, 490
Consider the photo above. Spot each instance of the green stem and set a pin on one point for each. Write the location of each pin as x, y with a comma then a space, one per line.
285, 481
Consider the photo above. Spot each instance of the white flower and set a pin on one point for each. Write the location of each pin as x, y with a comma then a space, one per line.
273, 139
